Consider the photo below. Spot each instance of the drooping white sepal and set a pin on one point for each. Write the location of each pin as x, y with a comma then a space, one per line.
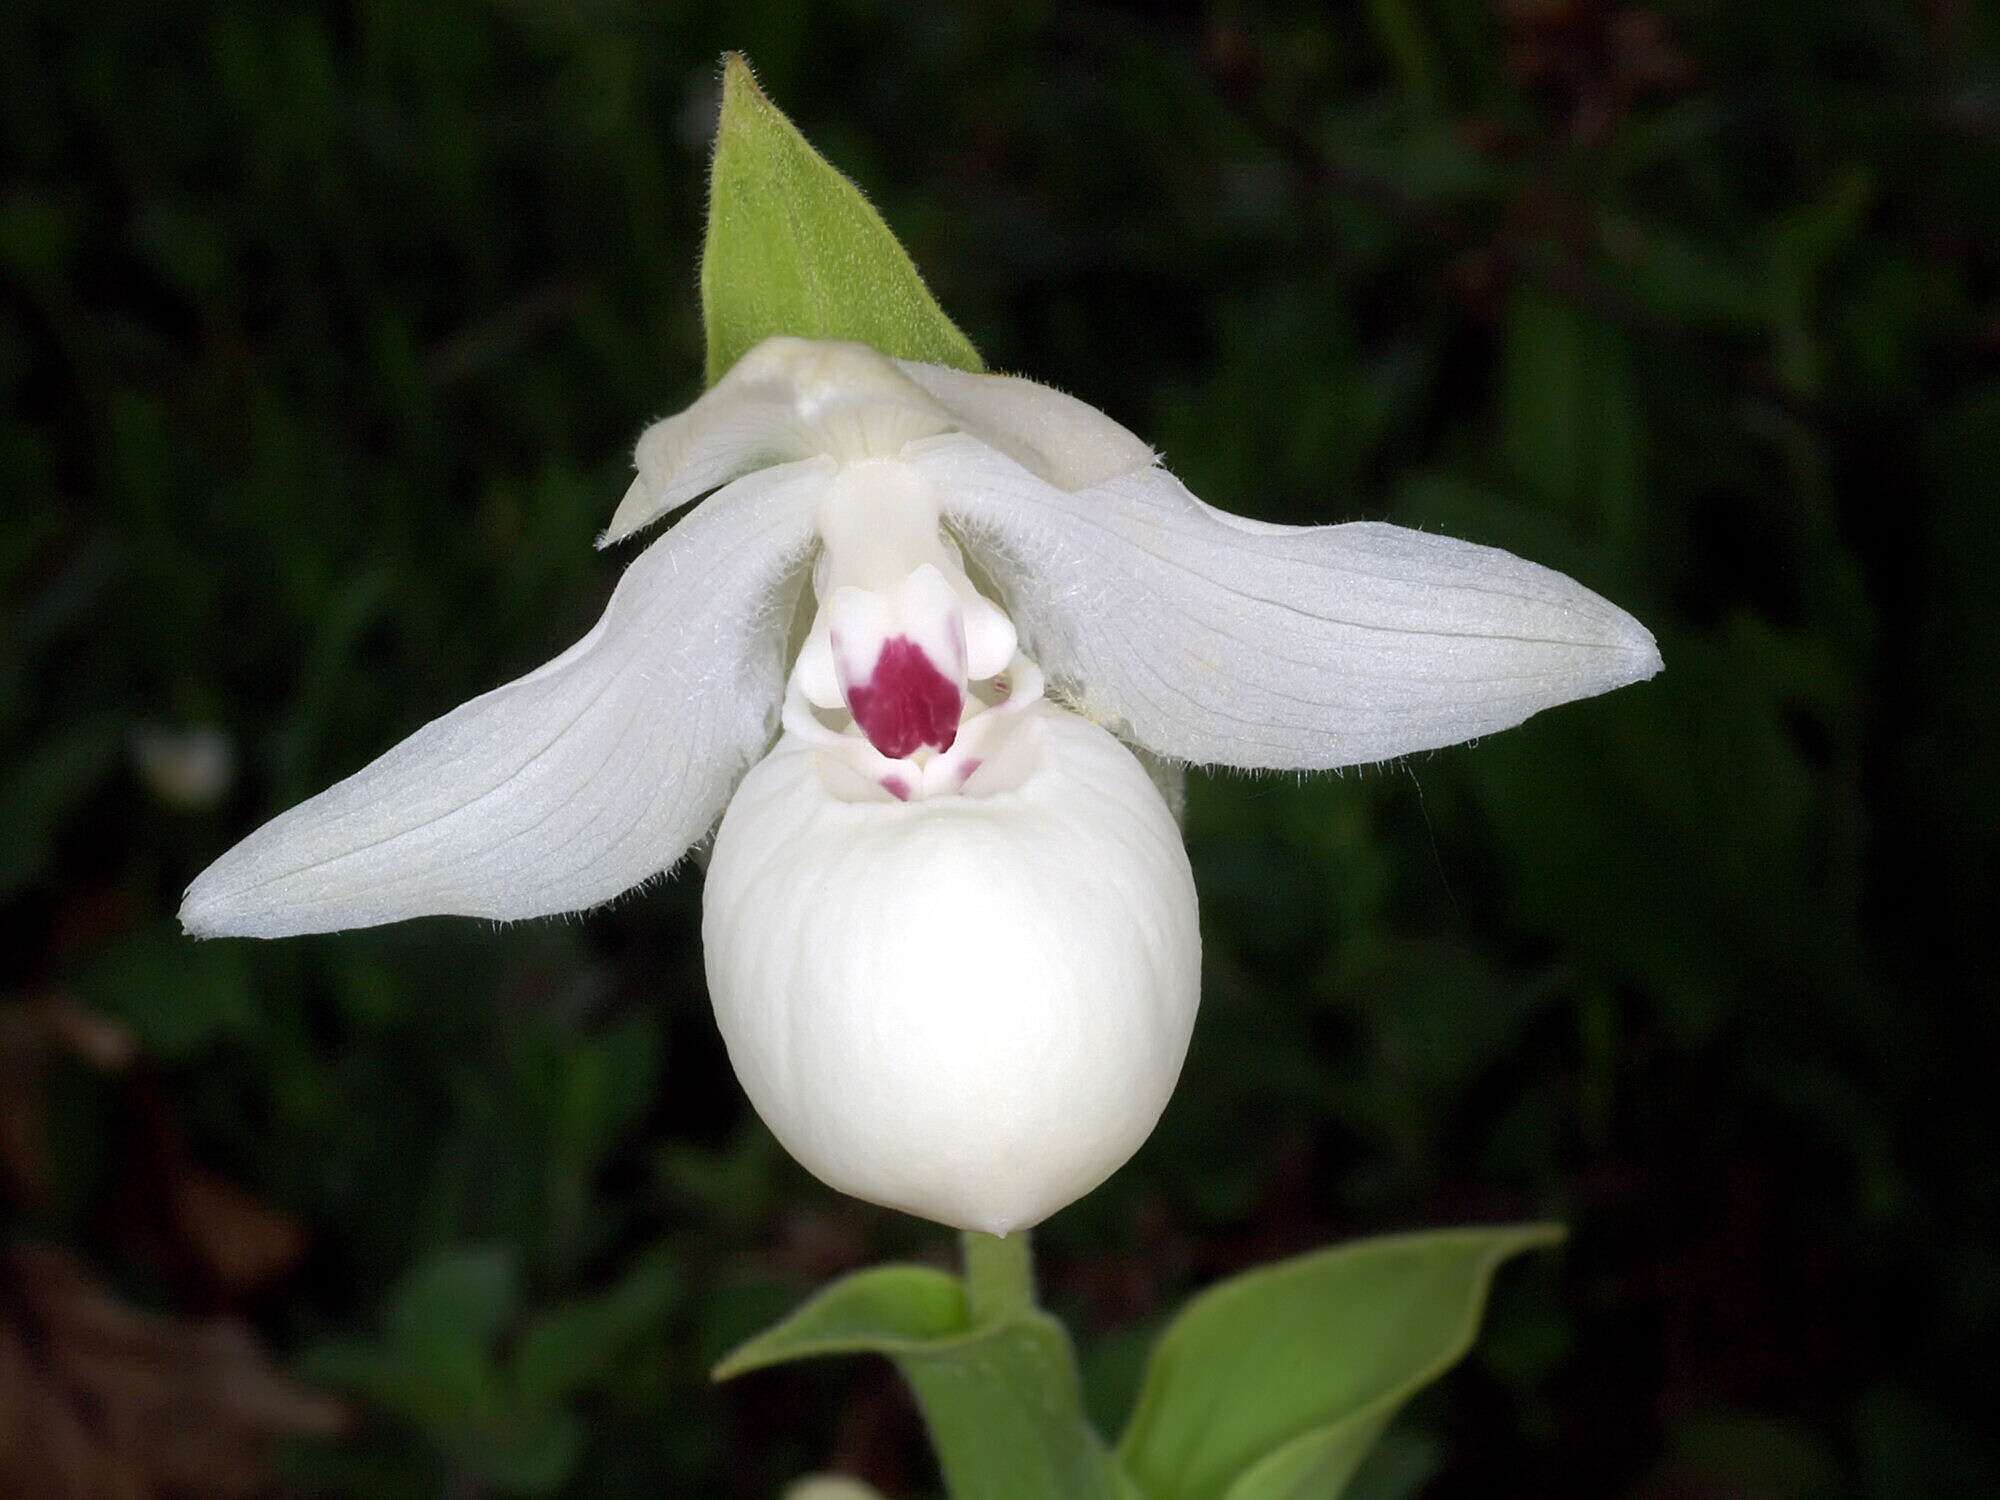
574, 783
1210, 638
969, 1007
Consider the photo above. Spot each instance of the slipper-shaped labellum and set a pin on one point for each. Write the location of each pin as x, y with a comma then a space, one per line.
949, 924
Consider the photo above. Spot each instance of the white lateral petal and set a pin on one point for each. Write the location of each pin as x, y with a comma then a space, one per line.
1068, 442
580, 780
1211, 638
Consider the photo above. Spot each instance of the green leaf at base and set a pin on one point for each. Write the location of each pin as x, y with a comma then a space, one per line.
1316, 1466
1274, 1385
1000, 1399
885, 1310
793, 248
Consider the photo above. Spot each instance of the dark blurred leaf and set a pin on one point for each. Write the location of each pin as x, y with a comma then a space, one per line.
179, 998
526, 1455
1399, 29
734, 1185
1799, 246
38, 793
1701, 895
565, 1348
1570, 428
1756, 1456
1913, 1446
1395, 151
1684, 281
1955, 711
460, 1300
1112, 1367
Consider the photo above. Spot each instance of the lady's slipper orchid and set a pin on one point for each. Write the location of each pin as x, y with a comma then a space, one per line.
949, 925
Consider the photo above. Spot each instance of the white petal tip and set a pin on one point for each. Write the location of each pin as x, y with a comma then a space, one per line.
204, 914
208, 912
633, 513
1642, 653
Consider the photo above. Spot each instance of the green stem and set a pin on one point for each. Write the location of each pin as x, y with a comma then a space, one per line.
1005, 1408
999, 1275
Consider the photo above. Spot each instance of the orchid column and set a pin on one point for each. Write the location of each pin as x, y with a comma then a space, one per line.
903, 651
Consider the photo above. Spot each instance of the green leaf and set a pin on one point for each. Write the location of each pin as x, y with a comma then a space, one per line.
1274, 1385
1314, 1466
793, 248
1000, 1399
886, 1310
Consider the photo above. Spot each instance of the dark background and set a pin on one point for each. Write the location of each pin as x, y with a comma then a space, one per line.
326, 333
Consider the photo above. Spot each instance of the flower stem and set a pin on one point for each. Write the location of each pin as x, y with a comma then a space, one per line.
1006, 1412
999, 1275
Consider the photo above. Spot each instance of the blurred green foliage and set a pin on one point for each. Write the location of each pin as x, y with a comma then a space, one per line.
327, 329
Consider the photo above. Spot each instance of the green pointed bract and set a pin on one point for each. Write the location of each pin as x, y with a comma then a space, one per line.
793, 248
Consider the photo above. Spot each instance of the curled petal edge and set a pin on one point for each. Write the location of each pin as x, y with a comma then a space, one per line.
791, 398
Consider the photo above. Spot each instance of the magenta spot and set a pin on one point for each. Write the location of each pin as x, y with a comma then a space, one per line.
906, 703
972, 763
896, 787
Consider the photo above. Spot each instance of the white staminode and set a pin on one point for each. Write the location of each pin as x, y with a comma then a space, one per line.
950, 930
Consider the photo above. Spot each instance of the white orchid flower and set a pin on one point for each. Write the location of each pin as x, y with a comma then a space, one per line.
950, 928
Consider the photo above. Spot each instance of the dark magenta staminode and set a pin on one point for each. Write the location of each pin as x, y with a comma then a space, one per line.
906, 703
